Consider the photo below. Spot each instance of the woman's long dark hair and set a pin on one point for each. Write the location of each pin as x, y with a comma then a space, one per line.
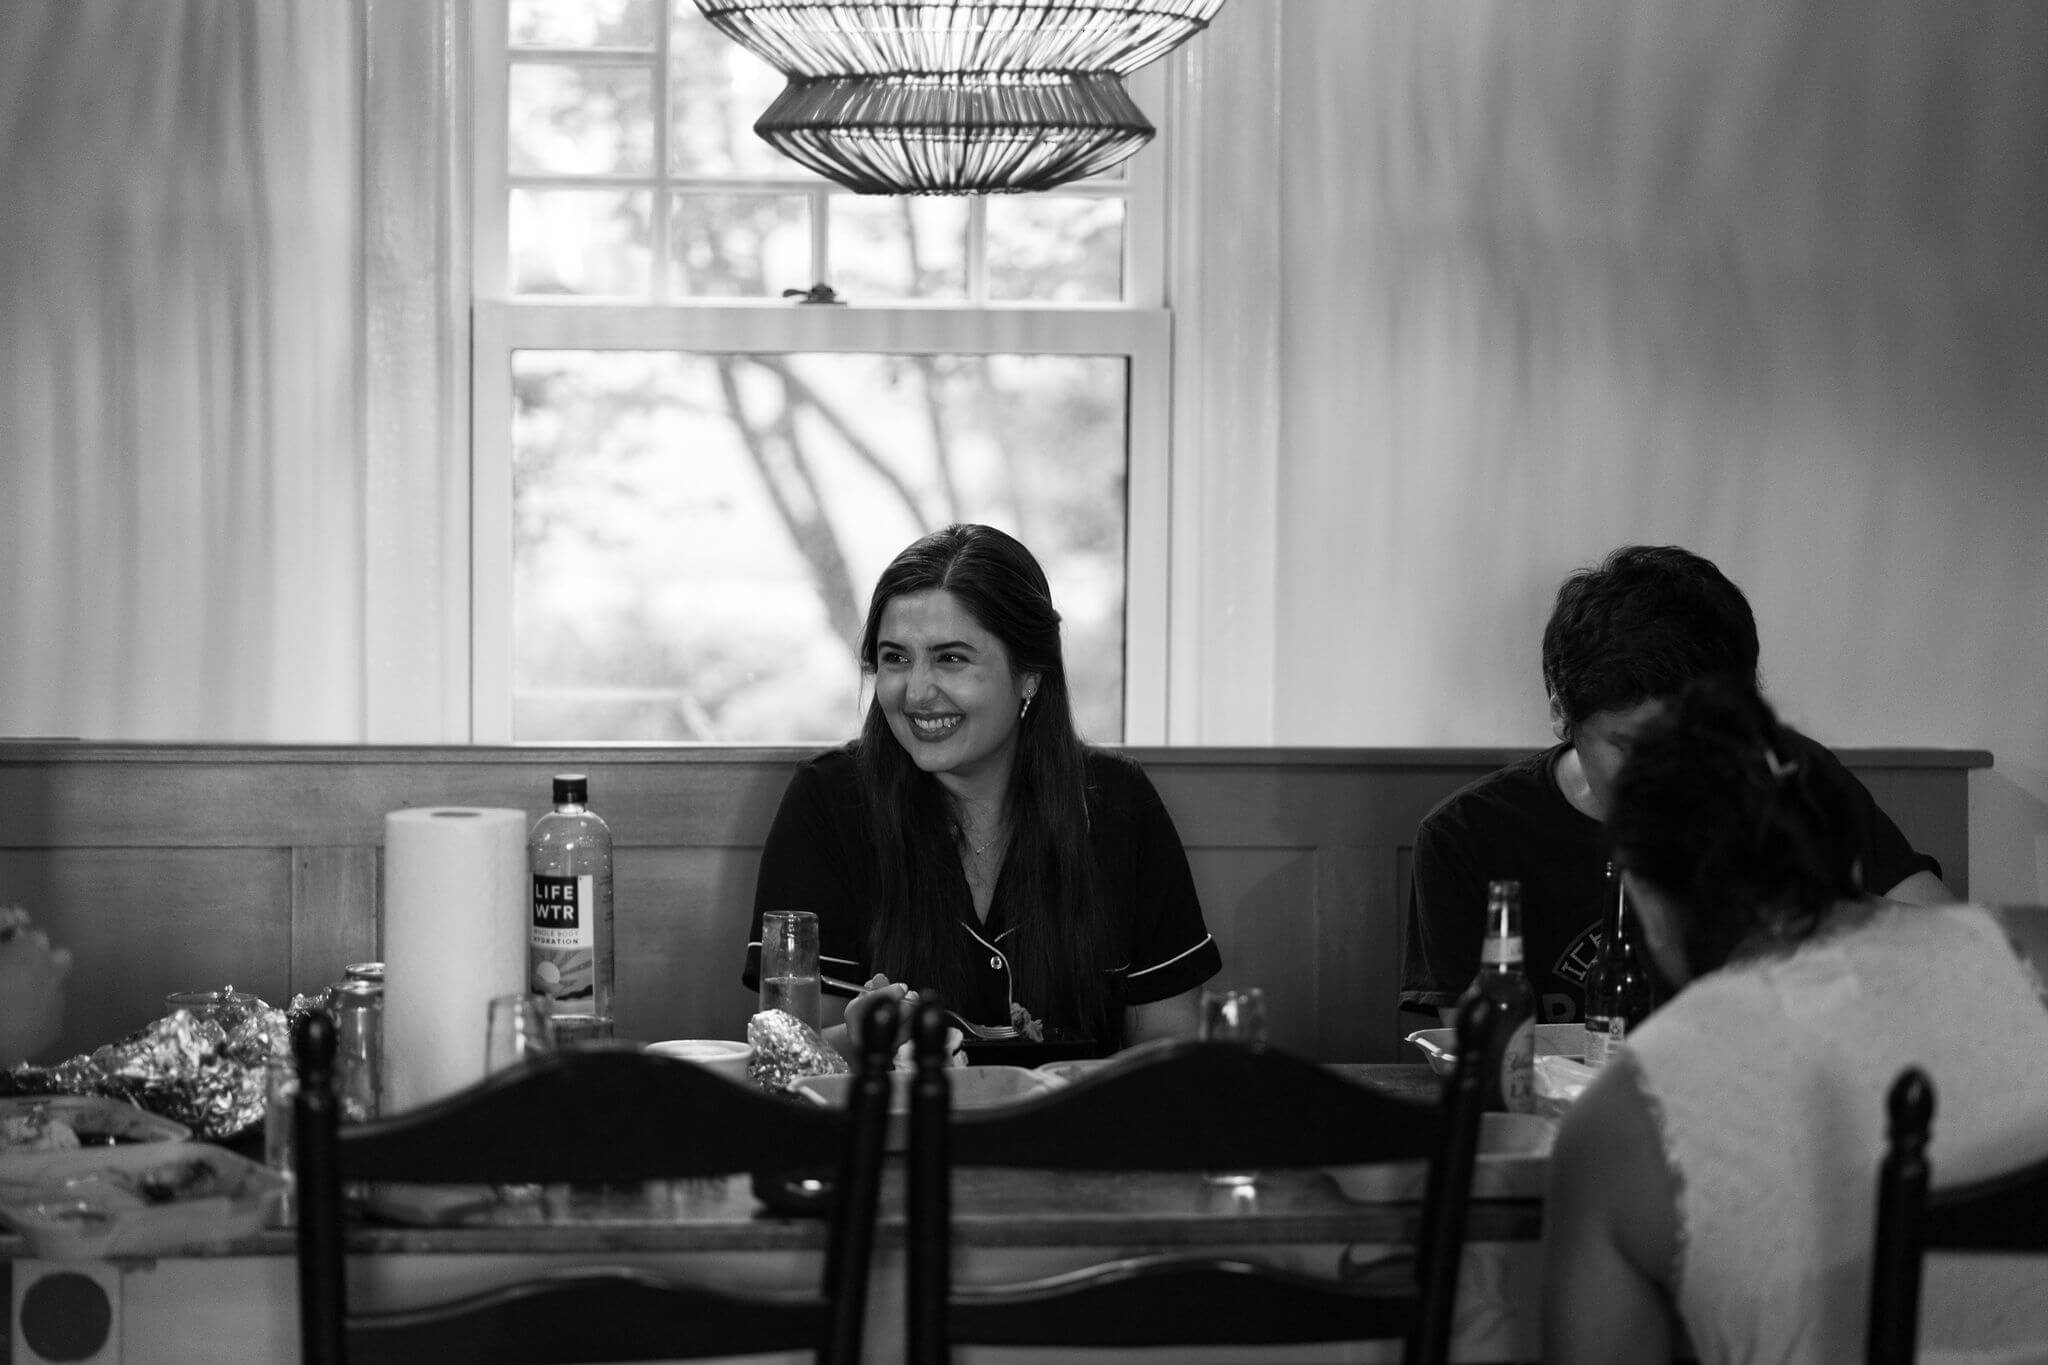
1063, 943
1720, 809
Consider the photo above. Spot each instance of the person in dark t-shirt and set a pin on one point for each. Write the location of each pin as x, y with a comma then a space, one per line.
1622, 636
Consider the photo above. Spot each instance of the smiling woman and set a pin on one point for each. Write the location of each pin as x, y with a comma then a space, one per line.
968, 844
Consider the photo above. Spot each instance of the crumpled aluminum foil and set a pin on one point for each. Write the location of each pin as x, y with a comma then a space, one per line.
206, 1073
786, 1050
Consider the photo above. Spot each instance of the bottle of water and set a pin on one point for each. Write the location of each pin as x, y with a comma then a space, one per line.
569, 936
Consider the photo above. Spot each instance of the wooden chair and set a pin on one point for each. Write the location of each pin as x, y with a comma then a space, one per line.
588, 1117
2003, 1213
1191, 1106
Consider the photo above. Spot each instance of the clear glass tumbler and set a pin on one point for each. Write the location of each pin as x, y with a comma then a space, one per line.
515, 1029
789, 964
1234, 1016
280, 1089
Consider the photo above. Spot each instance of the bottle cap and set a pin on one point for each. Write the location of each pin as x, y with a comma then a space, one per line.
573, 788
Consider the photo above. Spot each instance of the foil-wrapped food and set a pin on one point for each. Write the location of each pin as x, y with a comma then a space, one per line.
786, 1050
204, 1070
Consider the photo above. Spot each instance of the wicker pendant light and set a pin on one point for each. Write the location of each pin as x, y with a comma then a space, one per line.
957, 96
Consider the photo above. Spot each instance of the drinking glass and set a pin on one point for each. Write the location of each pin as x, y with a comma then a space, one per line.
517, 1029
789, 963
280, 1088
1234, 1016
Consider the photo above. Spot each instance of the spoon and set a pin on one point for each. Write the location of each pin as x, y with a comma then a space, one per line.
987, 1033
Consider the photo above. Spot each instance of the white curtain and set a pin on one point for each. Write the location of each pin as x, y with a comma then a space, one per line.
181, 509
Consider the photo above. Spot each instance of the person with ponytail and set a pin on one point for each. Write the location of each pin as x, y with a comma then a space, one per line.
1716, 1184
968, 844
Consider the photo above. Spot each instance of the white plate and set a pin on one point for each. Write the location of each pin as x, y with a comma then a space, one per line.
1514, 1156
1440, 1045
1061, 1073
86, 1114
125, 1202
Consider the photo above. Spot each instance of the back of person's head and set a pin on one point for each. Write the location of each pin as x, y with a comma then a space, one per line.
1000, 584
1719, 809
1641, 624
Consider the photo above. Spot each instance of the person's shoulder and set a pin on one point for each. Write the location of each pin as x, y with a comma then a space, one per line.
833, 774
1805, 748
1512, 787
1112, 768
1118, 785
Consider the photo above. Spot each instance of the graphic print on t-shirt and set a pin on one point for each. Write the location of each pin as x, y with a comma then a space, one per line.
1562, 1007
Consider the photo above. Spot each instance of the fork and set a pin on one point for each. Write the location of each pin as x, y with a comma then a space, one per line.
987, 1033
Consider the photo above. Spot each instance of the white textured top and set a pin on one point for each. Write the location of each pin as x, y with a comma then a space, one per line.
1768, 1083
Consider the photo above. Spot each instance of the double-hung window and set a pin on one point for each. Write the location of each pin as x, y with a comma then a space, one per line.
714, 394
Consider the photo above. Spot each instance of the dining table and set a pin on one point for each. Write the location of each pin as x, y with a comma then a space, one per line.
236, 1300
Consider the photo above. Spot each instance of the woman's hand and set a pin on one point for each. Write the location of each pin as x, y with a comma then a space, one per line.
31, 987
876, 987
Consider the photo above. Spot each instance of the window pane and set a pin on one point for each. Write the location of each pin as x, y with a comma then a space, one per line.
1055, 248
581, 120
740, 244
716, 90
695, 536
580, 242
902, 247
583, 23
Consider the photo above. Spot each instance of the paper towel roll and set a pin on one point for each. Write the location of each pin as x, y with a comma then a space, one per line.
456, 890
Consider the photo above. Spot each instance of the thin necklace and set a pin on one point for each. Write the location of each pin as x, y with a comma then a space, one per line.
993, 840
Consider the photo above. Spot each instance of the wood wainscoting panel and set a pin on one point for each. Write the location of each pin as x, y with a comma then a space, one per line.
681, 941
172, 867
336, 913
143, 922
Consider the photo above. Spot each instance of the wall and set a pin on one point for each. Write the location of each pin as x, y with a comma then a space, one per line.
1765, 281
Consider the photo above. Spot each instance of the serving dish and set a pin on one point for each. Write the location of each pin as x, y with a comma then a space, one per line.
974, 1087
1514, 1156
1440, 1045
100, 1124
144, 1200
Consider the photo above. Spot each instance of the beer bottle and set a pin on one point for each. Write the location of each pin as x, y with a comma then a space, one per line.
1507, 1073
1619, 994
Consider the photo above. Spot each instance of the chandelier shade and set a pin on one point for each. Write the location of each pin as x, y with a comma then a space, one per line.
955, 96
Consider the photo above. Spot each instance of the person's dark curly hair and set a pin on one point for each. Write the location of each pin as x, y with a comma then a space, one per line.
1716, 809
1644, 622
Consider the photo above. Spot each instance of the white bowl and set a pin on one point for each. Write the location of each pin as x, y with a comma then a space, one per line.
1440, 1045
1514, 1156
727, 1058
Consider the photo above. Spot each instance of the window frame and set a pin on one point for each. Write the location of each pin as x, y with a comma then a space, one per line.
1140, 329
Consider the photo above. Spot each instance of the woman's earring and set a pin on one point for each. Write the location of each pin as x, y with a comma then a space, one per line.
1026, 709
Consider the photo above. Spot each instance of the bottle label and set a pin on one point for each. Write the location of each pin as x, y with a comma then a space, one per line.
1604, 1039
1501, 952
561, 938
1518, 1069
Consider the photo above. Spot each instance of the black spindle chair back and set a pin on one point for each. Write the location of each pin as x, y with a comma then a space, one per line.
2004, 1213
594, 1116
1192, 1106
